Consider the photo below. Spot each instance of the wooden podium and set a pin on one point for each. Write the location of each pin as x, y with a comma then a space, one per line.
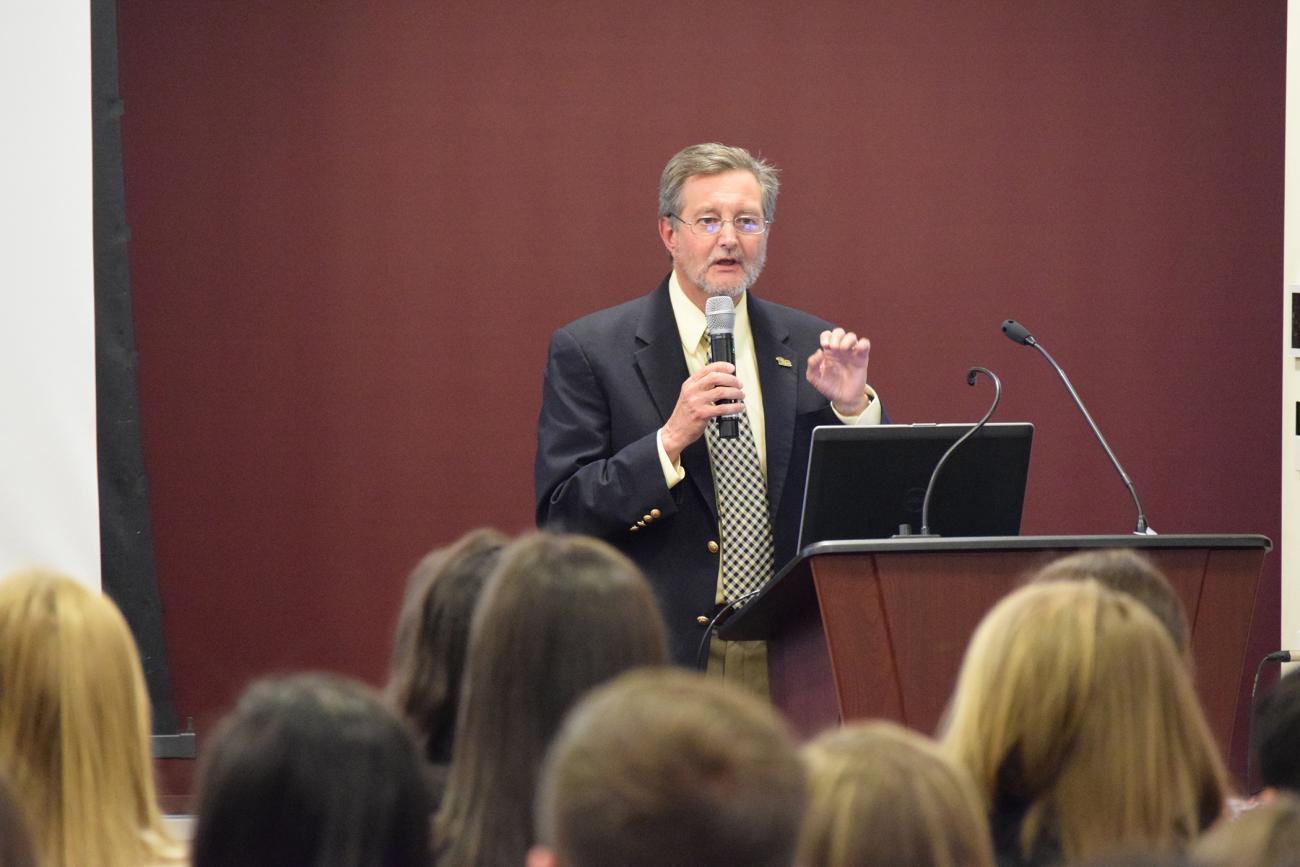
877, 629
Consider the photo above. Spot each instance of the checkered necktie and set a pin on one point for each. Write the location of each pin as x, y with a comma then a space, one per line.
742, 511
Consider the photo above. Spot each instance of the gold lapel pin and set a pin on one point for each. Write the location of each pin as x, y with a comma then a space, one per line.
783, 361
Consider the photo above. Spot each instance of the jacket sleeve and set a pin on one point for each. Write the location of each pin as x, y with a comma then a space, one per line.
586, 481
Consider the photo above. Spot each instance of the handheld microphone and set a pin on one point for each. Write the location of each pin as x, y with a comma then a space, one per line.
1020, 334
971, 376
720, 322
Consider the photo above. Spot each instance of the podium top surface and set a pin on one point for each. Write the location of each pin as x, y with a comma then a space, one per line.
1030, 543
754, 619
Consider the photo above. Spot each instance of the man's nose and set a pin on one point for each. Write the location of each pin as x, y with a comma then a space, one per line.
727, 232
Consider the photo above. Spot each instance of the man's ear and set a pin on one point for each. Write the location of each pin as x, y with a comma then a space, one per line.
542, 856
667, 234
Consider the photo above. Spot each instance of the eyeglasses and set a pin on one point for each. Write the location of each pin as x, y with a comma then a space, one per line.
745, 224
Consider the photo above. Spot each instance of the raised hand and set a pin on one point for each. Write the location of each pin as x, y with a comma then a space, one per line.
839, 370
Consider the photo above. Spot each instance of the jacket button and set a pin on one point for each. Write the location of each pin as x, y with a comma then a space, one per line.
634, 528
655, 513
702, 620
647, 518
713, 547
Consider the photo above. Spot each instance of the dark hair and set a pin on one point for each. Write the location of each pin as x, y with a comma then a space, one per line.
311, 770
1277, 728
560, 615
432, 635
663, 767
16, 846
1128, 572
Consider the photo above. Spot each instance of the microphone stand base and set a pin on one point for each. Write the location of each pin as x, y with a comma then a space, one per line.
905, 532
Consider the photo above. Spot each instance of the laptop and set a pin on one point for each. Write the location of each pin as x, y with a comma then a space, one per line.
863, 482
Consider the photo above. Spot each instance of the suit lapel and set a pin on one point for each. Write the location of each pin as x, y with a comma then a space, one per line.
780, 388
662, 365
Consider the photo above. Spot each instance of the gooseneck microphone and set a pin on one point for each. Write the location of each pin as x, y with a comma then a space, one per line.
1275, 656
720, 322
971, 376
1020, 334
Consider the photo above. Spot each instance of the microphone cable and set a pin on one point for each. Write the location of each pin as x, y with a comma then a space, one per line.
722, 616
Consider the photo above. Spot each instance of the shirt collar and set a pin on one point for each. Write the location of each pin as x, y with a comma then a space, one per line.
691, 325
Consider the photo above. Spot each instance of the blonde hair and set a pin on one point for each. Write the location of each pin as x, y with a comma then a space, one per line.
883, 795
1267, 836
74, 725
1077, 720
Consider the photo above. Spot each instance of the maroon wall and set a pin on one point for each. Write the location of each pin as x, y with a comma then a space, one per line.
355, 227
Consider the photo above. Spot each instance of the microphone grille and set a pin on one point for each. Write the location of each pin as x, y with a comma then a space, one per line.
1017, 332
719, 315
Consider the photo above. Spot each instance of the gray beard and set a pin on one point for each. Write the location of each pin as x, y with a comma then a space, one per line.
750, 271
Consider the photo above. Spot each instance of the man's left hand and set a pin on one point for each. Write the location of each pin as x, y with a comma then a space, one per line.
839, 370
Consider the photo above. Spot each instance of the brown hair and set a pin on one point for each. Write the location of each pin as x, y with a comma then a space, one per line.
883, 795
1069, 690
713, 158
560, 615
1267, 836
661, 767
1128, 572
432, 635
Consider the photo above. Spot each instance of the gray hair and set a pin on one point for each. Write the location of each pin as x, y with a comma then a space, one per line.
713, 158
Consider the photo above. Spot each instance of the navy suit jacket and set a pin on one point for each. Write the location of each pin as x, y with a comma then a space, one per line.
612, 380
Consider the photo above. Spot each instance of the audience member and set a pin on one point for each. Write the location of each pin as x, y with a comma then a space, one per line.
661, 769
560, 615
1277, 736
431, 639
1128, 572
75, 726
883, 795
1267, 836
312, 770
1078, 723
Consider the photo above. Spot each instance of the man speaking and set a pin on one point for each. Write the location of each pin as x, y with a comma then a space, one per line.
628, 447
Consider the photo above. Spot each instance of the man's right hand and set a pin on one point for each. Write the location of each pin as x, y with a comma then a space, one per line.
697, 403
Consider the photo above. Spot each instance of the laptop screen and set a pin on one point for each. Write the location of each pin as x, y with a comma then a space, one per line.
863, 482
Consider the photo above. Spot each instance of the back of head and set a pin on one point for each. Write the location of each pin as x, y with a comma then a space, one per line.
74, 723
1277, 731
432, 636
883, 795
561, 614
312, 770
1128, 572
1067, 690
661, 768
1267, 836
